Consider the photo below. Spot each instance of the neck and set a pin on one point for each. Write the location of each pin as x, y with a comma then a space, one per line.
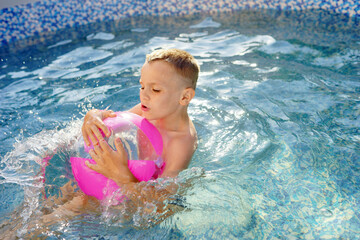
173, 123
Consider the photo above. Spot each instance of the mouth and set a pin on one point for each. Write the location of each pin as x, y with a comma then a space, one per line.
144, 108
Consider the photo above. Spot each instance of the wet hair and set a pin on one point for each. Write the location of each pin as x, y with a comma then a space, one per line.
184, 63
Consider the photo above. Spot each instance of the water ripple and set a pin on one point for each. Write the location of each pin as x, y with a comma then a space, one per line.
277, 118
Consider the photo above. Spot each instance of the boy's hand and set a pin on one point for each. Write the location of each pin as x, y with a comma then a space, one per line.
112, 164
93, 121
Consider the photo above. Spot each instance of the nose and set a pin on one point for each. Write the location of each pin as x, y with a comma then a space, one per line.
144, 94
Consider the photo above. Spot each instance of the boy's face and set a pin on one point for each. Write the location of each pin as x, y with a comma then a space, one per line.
161, 90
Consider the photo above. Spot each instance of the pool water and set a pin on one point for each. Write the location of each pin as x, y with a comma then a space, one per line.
277, 113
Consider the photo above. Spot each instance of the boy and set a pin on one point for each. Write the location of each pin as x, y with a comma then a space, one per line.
168, 82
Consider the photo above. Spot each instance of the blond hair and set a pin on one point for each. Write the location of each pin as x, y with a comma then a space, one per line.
184, 63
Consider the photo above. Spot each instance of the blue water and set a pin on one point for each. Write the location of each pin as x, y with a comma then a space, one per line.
277, 112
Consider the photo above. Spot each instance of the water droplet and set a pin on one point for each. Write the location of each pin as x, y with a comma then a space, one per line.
326, 212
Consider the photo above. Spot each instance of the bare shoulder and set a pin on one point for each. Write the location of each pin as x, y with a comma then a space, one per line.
185, 141
136, 109
179, 151
192, 136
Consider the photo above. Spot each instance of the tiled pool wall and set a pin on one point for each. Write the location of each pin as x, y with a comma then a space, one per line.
23, 22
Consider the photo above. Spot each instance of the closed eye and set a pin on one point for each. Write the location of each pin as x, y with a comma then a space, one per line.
156, 90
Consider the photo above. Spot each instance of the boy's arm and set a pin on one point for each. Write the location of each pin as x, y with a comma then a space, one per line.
114, 164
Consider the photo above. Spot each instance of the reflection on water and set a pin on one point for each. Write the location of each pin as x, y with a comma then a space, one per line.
276, 109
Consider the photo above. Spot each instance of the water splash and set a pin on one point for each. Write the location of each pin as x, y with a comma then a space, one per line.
24, 166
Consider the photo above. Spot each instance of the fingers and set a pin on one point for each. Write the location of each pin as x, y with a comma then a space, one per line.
101, 125
85, 136
94, 155
108, 113
91, 135
86, 128
92, 166
93, 127
120, 148
105, 146
100, 151
95, 135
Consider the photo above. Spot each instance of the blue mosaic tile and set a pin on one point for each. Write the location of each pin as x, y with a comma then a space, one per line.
22, 21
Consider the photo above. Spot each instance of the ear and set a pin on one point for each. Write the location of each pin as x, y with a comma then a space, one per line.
186, 96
